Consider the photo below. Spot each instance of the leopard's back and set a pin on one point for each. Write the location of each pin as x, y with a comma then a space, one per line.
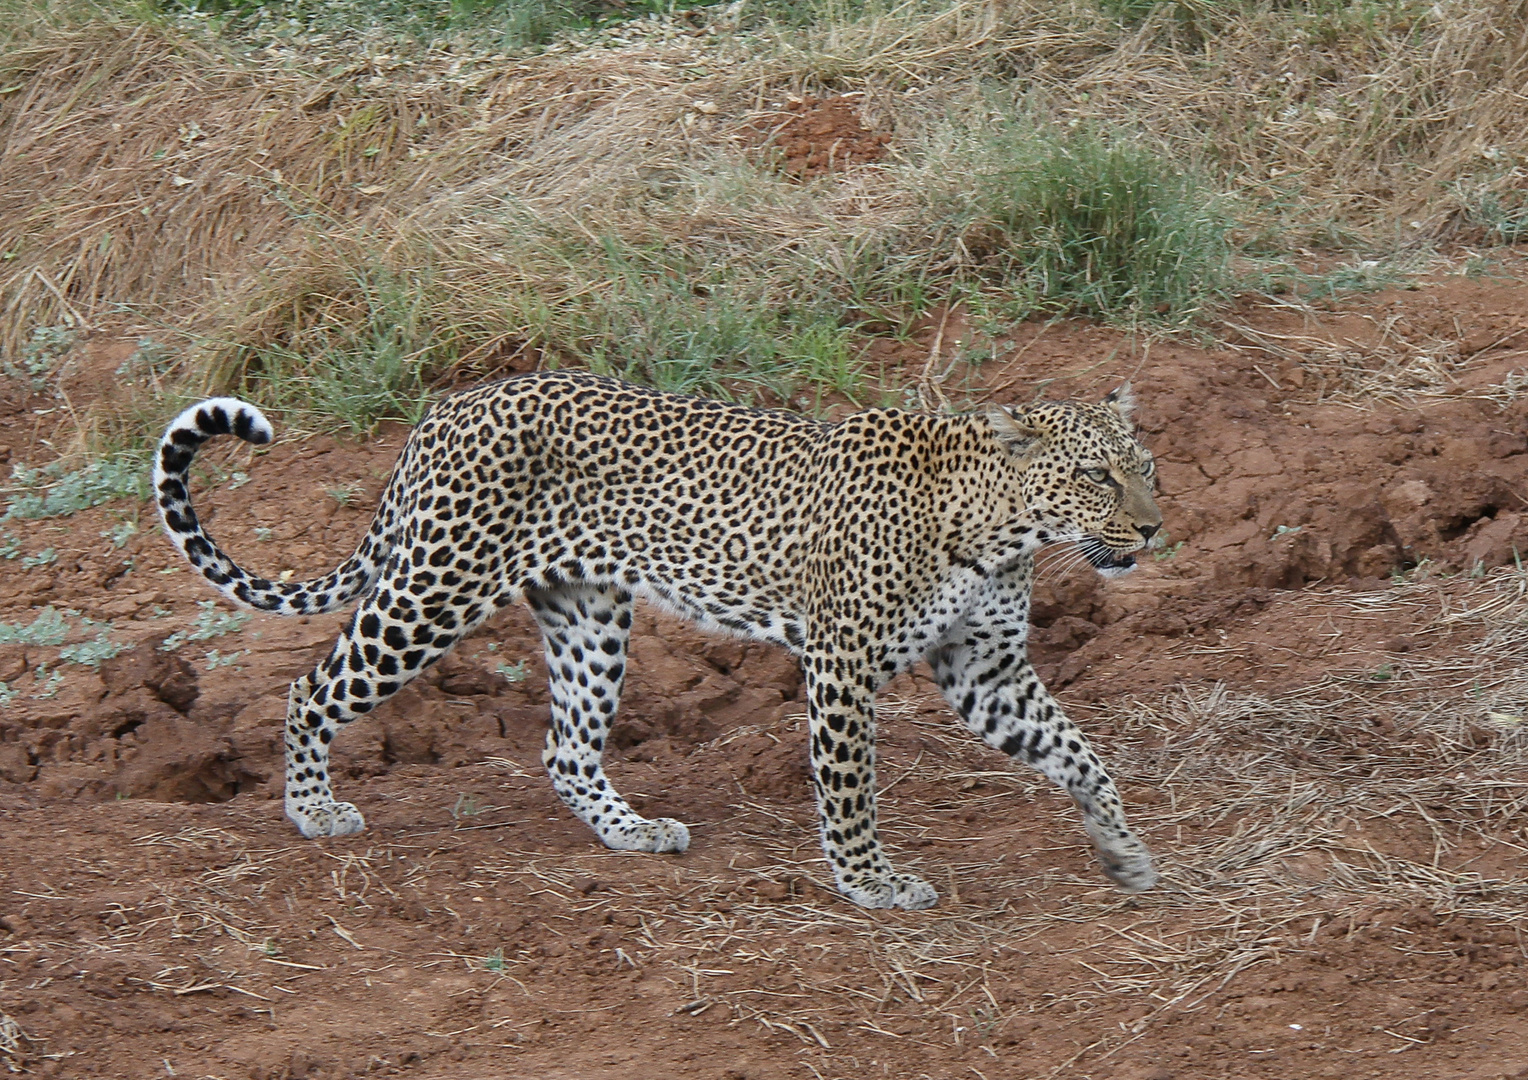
695, 504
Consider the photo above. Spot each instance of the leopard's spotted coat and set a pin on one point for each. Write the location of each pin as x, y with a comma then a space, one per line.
861, 546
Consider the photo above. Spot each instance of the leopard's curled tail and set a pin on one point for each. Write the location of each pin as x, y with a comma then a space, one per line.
172, 465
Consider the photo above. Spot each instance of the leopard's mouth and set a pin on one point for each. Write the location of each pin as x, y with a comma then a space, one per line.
1107, 560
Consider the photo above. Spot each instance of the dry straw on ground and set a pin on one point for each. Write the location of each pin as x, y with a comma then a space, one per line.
1279, 820
1285, 824
1260, 828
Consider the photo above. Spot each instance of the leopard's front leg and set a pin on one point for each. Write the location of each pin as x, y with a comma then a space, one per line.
987, 678
842, 714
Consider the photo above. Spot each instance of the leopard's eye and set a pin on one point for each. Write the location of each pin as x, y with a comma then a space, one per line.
1149, 469
1098, 476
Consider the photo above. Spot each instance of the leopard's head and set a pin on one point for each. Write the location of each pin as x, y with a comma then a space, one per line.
1084, 477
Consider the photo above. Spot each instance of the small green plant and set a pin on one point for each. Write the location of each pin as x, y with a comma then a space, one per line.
40, 355
49, 628
10, 546
1504, 215
7, 695
466, 806
1384, 673
264, 532
150, 361
42, 558
494, 961
216, 659
519, 671
1479, 267
120, 533
49, 683
210, 623
1422, 570
346, 494
52, 492
92, 653
823, 353
1168, 552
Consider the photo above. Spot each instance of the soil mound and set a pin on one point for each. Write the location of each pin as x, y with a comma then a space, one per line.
823, 135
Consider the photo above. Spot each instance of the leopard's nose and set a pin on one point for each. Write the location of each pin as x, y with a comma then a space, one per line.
1147, 531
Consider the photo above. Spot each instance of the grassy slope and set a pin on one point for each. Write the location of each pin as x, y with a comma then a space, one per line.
332, 220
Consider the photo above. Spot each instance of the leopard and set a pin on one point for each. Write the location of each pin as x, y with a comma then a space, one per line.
862, 546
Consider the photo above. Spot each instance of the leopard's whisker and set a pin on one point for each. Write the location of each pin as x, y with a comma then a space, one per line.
1059, 560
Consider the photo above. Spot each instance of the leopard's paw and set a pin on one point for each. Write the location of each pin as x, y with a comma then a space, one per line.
907, 891
1132, 873
325, 819
658, 836
1125, 861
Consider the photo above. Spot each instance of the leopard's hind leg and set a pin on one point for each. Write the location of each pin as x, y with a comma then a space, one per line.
391, 638
585, 630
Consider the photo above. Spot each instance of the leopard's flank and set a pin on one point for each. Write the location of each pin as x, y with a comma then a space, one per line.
861, 546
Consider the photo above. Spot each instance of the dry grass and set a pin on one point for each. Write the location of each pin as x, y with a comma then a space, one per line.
13, 1044
1388, 362
136, 166
544, 203
1391, 368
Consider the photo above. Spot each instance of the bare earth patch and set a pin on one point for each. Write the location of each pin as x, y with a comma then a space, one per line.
1313, 697
813, 136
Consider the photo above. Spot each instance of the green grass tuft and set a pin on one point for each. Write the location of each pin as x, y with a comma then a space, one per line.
367, 358
1504, 215
723, 328
1102, 224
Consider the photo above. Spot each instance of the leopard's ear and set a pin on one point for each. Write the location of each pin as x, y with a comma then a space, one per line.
1122, 400
1018, 436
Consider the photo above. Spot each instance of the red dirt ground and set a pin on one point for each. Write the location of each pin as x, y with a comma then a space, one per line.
159, 917
814, 136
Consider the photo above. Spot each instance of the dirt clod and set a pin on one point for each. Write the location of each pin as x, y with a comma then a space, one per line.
166, 675
822, 135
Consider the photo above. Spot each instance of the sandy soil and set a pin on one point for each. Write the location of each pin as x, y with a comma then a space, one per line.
1310, 697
